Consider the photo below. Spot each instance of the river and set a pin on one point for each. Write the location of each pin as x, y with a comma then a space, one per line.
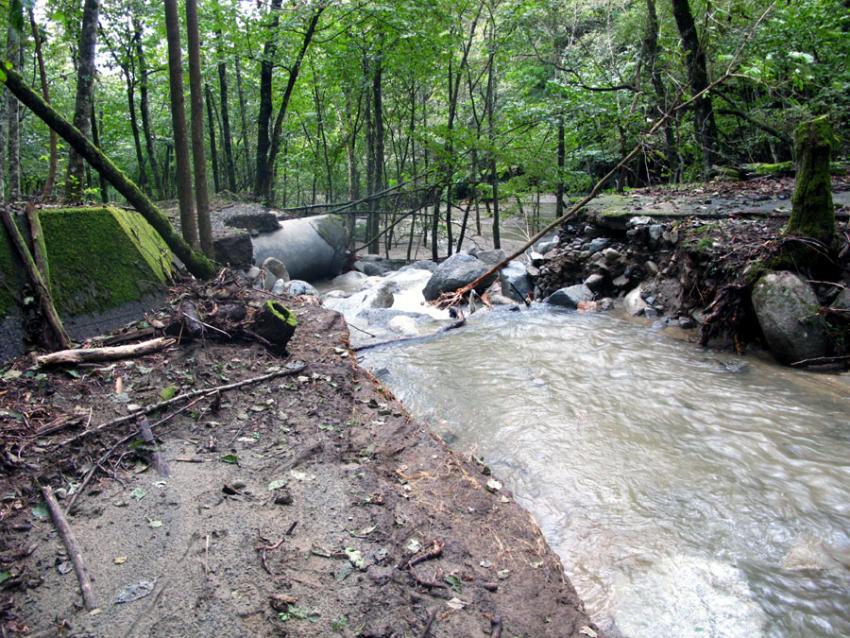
687, 492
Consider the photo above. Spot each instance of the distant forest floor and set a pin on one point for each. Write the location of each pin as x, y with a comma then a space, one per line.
309, 504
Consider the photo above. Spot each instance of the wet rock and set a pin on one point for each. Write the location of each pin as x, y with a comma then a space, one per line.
403, 325
595, 282
786, 308
687, 323
600, 243
651, 267
621, 282
373, 268
297, 287
490, 257
252, 273
515, 282
641, 220
384, 297
422, 264
605, 304
634, 303
571, 296
352, 281
275, 267
547, 243
279, 287
455, 272
656, 231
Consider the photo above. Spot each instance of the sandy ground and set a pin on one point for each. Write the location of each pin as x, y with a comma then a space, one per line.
307, 505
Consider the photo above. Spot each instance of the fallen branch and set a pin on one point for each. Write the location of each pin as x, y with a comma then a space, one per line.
204, 392
435, 551
108, 353
452, 326
105, 456
820, 361
431, 618
70, 542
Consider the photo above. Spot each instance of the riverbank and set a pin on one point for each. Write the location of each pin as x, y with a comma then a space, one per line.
690, 257
309, 504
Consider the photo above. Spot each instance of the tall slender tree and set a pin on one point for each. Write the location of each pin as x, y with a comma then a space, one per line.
199, 159
83, 100
188, 220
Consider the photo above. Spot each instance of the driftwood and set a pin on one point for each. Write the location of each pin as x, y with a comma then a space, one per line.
96, 355
288, 371
41, 289
71, 545
369, 346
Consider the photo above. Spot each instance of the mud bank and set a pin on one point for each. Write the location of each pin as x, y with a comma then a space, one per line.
307, 505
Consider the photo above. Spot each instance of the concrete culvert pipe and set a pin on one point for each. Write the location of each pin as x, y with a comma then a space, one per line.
311, 248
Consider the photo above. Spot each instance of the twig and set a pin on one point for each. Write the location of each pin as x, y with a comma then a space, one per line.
157, 461
204, 392
435, 551
71, 545
819, 361
496, 627
431, 618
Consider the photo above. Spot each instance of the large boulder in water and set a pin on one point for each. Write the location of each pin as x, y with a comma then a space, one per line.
311, 248
571, 296
516, 284
455, 272
786, 308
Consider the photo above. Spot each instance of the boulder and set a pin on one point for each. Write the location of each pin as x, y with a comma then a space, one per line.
455, 272
600, 243
422, 264
786, 308
515, 282
297, 287
595, 282
571, 296
546, 243
384, 297
489, 257
634, 303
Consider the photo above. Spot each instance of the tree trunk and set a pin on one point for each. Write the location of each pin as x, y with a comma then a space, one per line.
246, 149
103, 184
188, 221
562, 155
144, 107
134, 125
813, 211
377, 97
264, 114
196, 263
196, 94
226, 137
13, 114
213, 147
706, 128
83, 100
47, 191
491, 138
650, 54
287, 95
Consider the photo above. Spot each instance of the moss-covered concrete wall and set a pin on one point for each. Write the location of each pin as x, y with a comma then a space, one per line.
98, 258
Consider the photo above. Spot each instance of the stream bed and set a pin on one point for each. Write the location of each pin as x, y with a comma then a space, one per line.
688, 493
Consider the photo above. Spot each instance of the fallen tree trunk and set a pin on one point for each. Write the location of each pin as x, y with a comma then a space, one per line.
41, 289
95, 355
195, 262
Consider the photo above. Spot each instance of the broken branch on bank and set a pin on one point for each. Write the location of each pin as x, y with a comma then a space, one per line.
109, 353
71, 545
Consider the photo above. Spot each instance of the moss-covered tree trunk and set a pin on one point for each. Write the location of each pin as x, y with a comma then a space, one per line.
195, 262
813, 213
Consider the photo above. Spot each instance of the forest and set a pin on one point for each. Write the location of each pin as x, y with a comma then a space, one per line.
303, 103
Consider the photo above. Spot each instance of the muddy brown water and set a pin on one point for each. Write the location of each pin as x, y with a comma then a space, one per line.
687, 492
